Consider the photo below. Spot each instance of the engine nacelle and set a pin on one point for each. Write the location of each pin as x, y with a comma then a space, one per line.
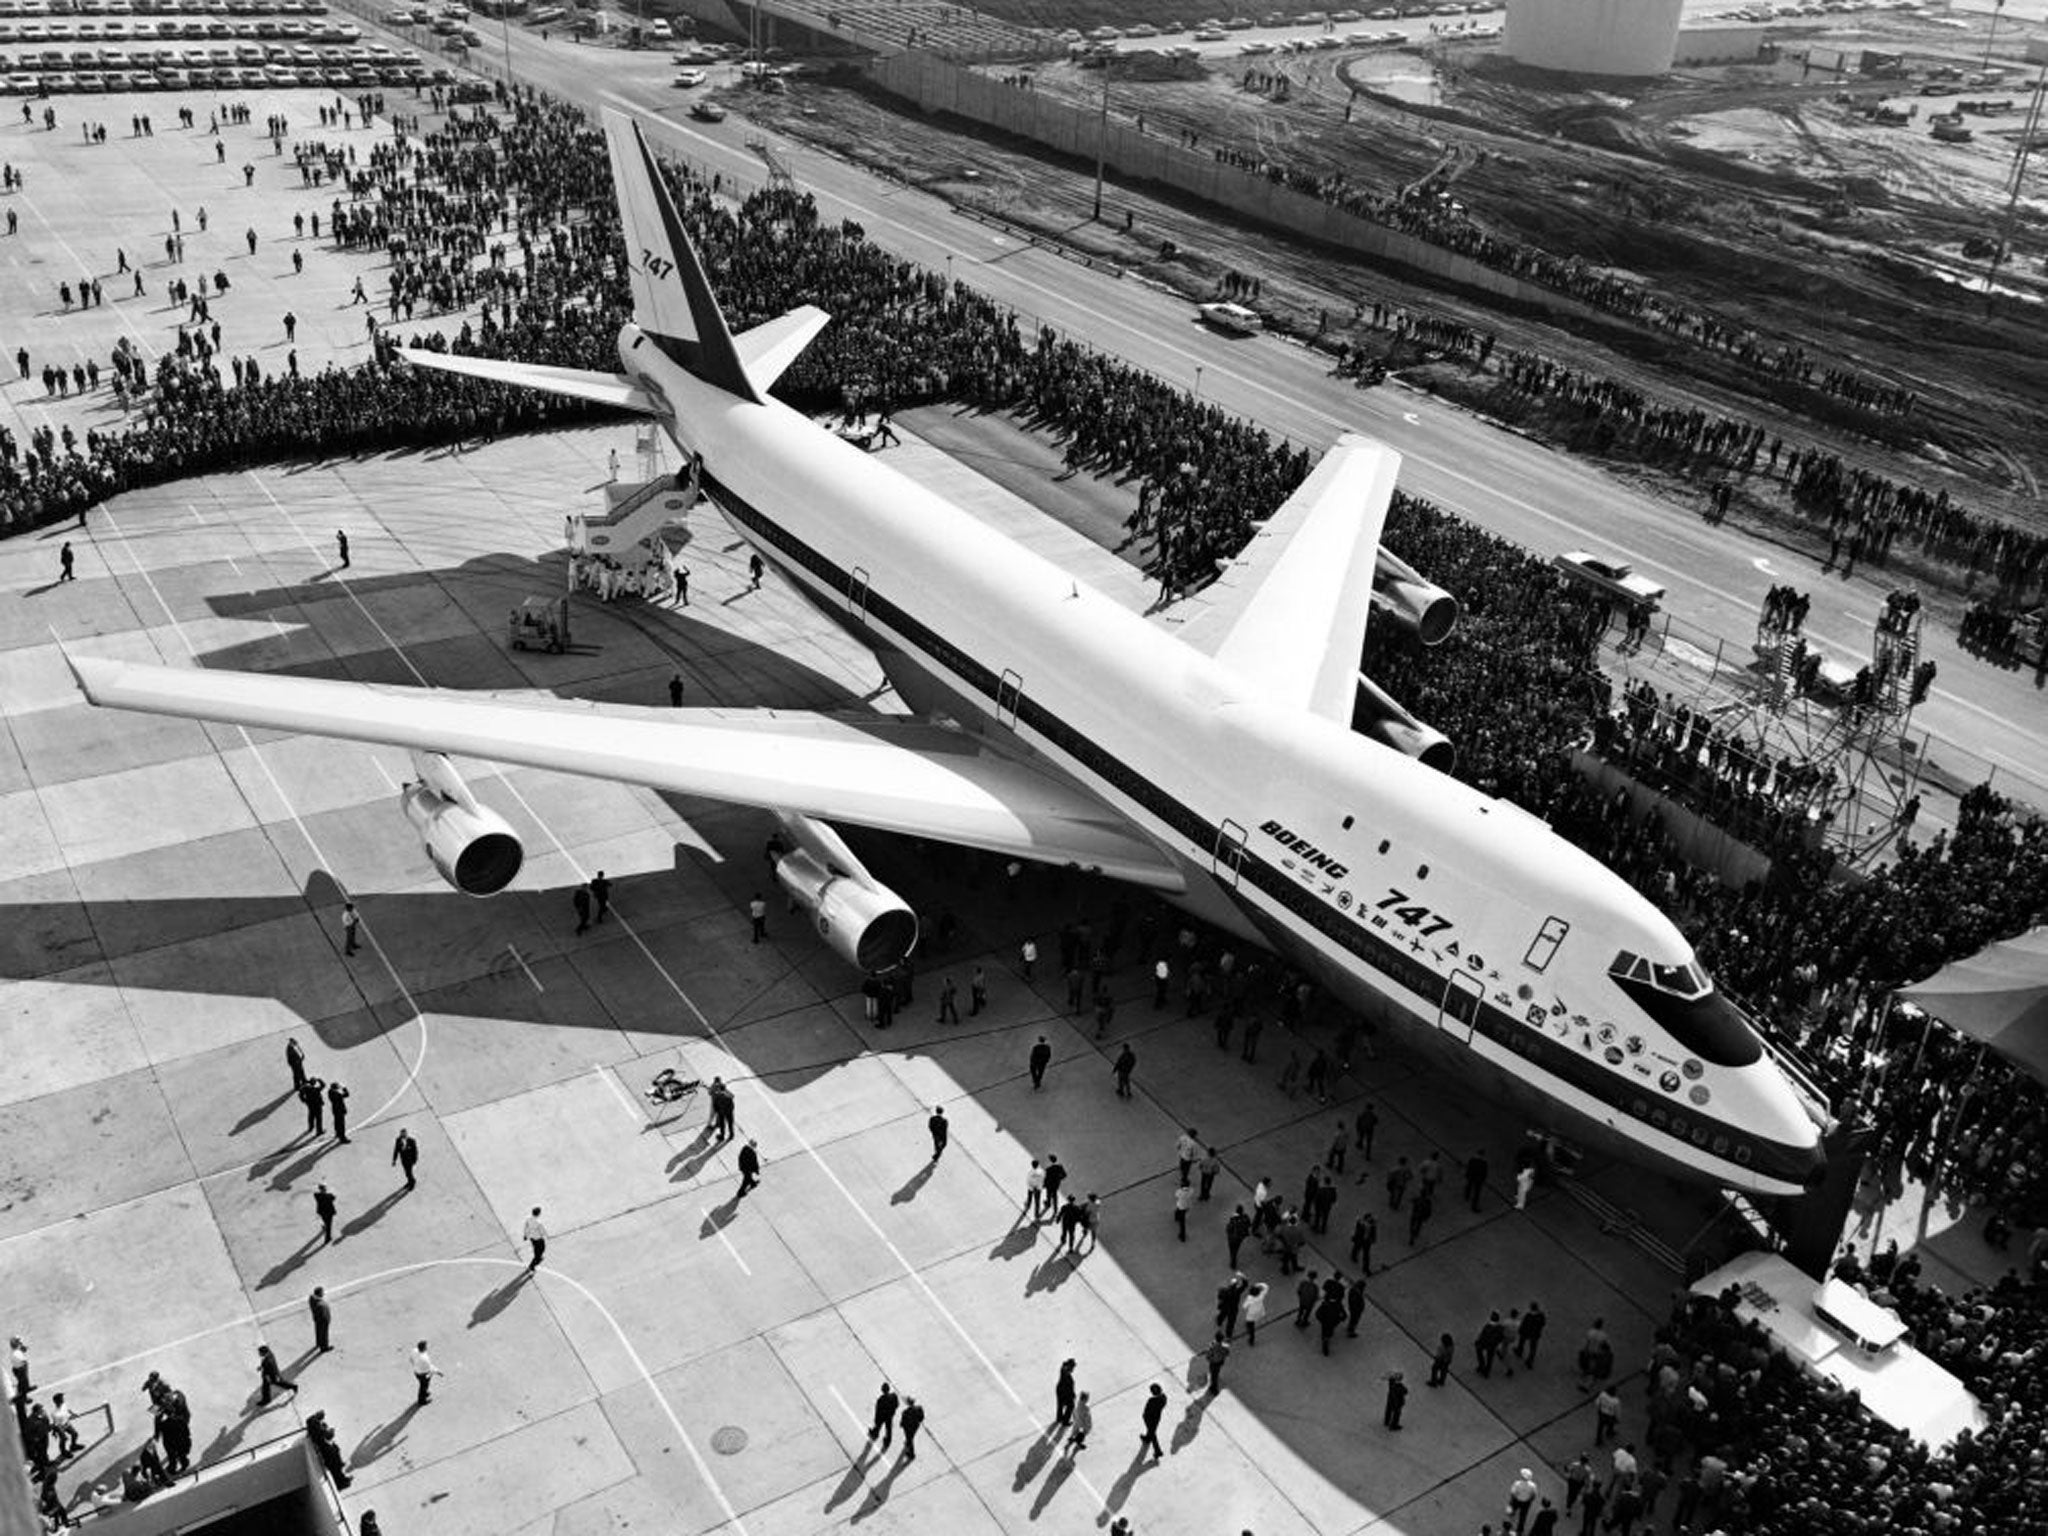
471, 846
1375, 714
1418, 605
867, 924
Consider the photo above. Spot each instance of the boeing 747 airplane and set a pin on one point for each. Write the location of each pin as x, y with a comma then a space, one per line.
1240, 766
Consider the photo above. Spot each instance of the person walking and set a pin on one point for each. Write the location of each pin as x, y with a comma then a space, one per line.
1419, 1212
424, 1371
757, 914
341, 547
351, 924
314, 1096
537, 1236
1440, 1362
1576, 1475
600, 896
1055, 1176
1187, 1149
1606, 1416
1041, 1058
1529, 1333
750, 1167
337, 1104
269, 1378
1590, 1506
1364, 1234
939, 1129
1306, 1290
1216, 1354
1491, 1339
1254, 1312
1545, 1523
323, 1319
1084, 1425
1354, 1306
1235, 1231
405, 1154
1522, 1499
1397, 1398
1398, 1178
1155, 1410
977, 992
325, 1207
295, 1059
1207, 1168
1363, 1128
1125, 1064
1034, 1191
1229, 1299
1063, 1395
1183, 1198
910, 1421
949, 1004
1329, 1317
65, 559
675, 690
1475, 1178
722, 1105
886, 1402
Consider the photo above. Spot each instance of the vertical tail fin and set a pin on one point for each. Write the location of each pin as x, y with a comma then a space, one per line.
672, 300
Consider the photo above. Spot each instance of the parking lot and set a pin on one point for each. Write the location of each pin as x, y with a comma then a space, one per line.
50, 47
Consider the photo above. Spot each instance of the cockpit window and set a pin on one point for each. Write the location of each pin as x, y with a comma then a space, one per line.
1683, 1001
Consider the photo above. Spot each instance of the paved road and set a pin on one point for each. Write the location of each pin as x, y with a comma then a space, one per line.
1520, 489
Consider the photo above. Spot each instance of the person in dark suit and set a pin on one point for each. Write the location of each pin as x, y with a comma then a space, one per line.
269, 1378
337, 1101
323, 1318
885, 1415
910, 1421
326, 1208
750, 1168
405, 1152
1397, 1395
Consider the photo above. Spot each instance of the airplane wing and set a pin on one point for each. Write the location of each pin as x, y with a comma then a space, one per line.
770, 347
605, 388
1289, 612
897, 775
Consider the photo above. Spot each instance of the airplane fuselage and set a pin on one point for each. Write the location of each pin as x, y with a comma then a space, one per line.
1409, 895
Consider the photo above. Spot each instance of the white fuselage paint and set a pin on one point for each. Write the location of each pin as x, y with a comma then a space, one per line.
1172, 716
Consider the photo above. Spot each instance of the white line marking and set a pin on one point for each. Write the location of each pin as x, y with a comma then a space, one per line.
728, 1244
384, 774
639, 1115
526, 968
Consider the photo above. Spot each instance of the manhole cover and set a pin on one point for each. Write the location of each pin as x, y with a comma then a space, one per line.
729, 1441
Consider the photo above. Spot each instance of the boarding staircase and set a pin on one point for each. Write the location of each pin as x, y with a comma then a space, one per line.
635, 512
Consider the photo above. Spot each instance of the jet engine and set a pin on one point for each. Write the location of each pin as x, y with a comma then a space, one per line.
1375, 714
471, 846
1418, 605
867, 924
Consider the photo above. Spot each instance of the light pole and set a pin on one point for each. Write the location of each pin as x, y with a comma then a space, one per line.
1102, 133
1997, 10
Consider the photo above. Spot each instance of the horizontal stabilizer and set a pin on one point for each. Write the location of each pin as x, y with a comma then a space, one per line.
605, 388
769, 348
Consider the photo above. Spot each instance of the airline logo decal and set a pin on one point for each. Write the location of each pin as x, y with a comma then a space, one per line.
1312, 857
660, 266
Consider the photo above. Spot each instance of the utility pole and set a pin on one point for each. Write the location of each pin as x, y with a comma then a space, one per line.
1997, 10
2003, 240
1102, 133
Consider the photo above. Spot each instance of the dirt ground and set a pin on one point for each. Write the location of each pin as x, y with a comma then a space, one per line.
1748, 191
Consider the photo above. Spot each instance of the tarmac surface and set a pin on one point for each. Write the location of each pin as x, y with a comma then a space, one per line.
683, 1361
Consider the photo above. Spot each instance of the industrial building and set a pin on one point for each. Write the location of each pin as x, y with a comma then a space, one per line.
1594, 37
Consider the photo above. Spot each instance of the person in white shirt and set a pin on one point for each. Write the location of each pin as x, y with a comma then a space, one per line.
537, 1235
424, 1371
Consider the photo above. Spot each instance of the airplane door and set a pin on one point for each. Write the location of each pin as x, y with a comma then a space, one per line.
1459, 1010
1229, 858
857, 593
1008, 693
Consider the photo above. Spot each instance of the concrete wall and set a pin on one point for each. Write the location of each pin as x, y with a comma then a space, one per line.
937, 86
1594, 37
265, 1472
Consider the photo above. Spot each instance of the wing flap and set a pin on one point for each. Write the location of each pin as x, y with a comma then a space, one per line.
606, 388
1289, 613
902, 776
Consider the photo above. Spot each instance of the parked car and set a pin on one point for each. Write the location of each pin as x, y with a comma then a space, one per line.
1616, 578
687, 78
708, 112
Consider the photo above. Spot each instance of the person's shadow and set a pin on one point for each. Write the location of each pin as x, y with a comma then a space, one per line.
497, 1301
878, 1493
1120, 1490
283, 1269
1035, 1458
261, 1112
1049, 1276
1017, 1242
374, 1214
1056, 1479
856, 1474
1190, 1424
916, 1182
687, 1163
383, 1438
719, 1217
